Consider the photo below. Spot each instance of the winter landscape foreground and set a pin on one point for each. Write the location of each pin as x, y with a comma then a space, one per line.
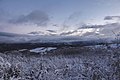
99, 62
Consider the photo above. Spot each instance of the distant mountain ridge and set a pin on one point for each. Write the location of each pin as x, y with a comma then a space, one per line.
11, 41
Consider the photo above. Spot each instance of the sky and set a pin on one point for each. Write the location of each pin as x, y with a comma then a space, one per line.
25, 16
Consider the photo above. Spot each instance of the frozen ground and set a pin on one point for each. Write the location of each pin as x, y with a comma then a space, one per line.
67, 63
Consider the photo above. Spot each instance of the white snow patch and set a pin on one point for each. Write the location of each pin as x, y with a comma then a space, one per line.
22, 50
42, 49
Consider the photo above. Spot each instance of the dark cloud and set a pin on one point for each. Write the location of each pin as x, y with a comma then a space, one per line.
100, 26
36, 32
111, 17
8, 34
91, 26
52, 31
56, 25
35, 17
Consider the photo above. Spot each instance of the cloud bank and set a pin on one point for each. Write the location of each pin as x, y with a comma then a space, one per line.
112, 18
37, 17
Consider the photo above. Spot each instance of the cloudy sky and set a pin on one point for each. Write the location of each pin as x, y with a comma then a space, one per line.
25, 16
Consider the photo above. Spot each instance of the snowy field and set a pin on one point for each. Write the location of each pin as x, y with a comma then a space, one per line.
67, 63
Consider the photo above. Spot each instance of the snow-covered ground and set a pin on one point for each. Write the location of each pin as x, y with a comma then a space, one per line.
114, 46
42, 50
68, 63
